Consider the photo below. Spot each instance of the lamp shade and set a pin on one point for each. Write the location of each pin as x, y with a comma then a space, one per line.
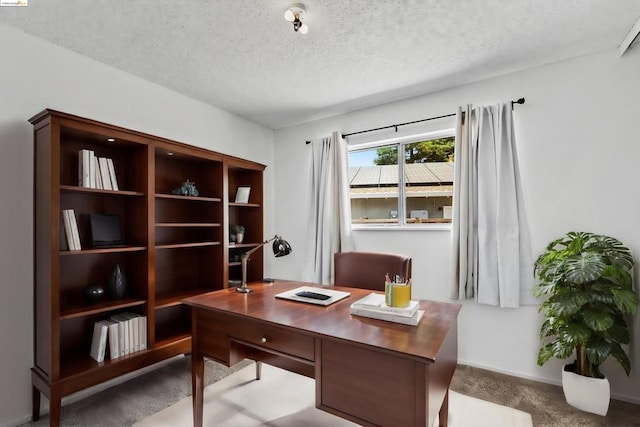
281, 247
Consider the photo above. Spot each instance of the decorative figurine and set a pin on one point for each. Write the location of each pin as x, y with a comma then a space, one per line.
187, 188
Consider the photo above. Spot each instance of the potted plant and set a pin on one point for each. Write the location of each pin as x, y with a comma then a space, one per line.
588, 281
238, 231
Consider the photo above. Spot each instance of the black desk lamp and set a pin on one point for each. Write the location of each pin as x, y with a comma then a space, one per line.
280, 248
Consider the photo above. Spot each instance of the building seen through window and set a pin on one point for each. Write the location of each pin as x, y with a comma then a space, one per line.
415, 188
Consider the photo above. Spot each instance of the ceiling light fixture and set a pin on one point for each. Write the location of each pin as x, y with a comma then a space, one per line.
295, 13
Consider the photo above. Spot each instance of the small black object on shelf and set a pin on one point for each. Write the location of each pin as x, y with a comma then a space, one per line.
93, 293
117, 283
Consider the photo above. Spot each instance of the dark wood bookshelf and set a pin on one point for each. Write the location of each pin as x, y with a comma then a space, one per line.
176, 246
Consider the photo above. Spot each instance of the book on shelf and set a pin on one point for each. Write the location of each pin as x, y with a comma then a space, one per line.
376, 302
71, 230
123, 331
113, 340
86, 168
112, 174
143, 332
134, 331
67, 229
74, 229
64, 244
83, 168
98, 175
104, 173
99, 341
92, 169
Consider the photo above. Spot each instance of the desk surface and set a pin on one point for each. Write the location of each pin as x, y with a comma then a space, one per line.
335, 321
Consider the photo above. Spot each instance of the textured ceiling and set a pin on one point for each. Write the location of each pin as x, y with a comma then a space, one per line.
242, 56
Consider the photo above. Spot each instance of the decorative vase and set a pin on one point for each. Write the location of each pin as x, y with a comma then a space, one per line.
586, 393
93, 293
117, 283
239, 237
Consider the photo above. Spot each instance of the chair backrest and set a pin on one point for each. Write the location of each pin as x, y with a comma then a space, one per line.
367, 269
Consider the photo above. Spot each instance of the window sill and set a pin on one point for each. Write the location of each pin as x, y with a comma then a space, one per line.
407, 227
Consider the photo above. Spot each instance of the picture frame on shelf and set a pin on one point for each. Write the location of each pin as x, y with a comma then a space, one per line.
242, 195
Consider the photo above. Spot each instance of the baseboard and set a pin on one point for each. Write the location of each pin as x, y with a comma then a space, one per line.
621, 397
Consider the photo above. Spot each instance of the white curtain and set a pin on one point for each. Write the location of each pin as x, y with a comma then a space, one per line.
330, 210
491, 245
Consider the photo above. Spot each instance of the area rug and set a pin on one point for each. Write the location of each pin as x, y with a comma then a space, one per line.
284, 399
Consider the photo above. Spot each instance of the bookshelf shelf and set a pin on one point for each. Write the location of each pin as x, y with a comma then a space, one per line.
173, 298
188, 245
105, 250
188, 198
176, 245
76, 189
80, 310
188, 224
244, 205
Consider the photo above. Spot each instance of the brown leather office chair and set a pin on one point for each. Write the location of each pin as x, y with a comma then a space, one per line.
367, 269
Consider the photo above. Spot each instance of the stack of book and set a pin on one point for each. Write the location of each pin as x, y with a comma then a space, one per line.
122, 334
96, 172
373, 306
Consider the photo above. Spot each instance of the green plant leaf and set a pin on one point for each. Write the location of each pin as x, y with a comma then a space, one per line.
547, 328
619, 333
543, 289
584, 268
545, 353
597, 351
597, 320
574, 333
625, 300
618, 276
561, 349
621, 357
567, 303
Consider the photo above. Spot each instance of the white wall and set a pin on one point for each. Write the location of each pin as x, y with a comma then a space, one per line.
36, 75
579, 150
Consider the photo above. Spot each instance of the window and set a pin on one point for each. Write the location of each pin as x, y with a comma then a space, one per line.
424, 175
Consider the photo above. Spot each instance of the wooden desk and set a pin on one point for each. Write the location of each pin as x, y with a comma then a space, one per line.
372, 372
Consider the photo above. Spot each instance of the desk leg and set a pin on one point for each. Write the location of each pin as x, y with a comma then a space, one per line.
443, 415
197, 387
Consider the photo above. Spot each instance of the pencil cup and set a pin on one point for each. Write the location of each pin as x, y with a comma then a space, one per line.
397, 294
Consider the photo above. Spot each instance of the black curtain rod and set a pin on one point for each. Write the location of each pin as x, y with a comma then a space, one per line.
344, 135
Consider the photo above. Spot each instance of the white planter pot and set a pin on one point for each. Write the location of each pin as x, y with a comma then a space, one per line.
586, 393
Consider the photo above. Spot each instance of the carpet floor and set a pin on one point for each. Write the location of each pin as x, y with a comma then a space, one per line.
136, 399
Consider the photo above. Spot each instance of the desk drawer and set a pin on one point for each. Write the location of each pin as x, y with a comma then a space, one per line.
272, 337
215, 330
